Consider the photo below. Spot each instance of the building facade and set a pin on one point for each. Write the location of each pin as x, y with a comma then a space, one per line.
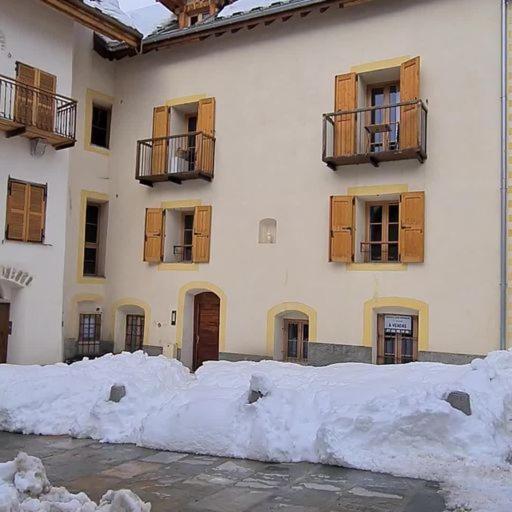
301, 182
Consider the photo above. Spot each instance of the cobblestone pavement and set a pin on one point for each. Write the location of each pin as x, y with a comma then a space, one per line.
178, 482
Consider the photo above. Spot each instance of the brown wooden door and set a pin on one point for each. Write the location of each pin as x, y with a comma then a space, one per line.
4, 331
206, 328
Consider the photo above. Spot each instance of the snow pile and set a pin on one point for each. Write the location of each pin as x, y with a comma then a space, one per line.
111, 8
151, 18
383, 418
24, 487
245, 6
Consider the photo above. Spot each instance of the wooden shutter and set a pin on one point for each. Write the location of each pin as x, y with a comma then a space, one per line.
342, 229
17, 211
345, 126
161, 147
412, 227
202, 231
409, 114
154, 235
205, 144
24, 97
45, 103
36, 207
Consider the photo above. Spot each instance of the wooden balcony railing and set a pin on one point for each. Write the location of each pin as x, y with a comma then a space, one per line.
176, 158
36, 114
375, 134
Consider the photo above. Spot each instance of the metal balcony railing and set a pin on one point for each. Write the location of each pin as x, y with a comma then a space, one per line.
379, 252
375, 134
182, 253
176, 158
39, 113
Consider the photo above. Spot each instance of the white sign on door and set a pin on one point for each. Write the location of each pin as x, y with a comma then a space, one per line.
398, 324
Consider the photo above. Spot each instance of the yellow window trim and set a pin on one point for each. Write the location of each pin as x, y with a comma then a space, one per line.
92, 96
282, 308
378, 190
85, 196
377, 267
201, 286
130, 301
395, 302
185, 99
192, 267
379, 64
183, 203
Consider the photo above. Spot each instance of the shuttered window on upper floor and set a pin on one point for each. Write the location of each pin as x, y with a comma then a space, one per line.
391, 231
188, 239
26, 211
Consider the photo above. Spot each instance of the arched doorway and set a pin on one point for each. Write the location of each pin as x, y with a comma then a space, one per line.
206, 328
130, 327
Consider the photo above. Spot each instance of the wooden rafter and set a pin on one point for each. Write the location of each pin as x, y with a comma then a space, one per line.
96, 21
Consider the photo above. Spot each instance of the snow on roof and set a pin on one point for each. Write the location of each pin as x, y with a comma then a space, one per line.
150, 18
111, 8
244, 6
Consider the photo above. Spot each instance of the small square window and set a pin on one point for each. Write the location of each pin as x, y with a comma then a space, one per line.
100, 126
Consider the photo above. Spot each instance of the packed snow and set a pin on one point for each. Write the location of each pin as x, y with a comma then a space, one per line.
391, 418
24, 487
111, 8
245, 6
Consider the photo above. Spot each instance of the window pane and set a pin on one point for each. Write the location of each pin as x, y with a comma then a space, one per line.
293, 332
305, 332
375, 214
100, 126
91, 214
393, 213
189, 221
375, 252
376, 232
91, 232
393, 232
89, 261
393, 252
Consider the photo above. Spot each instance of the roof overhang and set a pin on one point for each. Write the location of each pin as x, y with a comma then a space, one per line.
97, 21
220, 26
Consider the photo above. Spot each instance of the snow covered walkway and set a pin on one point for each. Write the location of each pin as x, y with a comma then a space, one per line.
390, 419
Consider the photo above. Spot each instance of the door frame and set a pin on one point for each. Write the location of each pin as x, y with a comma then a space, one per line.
3, 357
300, 339
197, 296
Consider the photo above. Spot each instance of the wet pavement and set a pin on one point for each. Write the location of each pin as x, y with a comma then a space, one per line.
178, 482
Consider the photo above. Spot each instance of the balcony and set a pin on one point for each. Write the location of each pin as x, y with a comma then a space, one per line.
36, 114
176, 158
375, 134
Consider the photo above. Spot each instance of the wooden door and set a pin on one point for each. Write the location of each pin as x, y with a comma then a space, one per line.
134, 335
206, 328
4, 331
397, 345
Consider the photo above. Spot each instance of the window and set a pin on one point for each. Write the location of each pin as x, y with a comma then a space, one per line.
178, 235
95, 239
397, 338
89, 334
296, 337
26, 211
381, 243
134, 332
100, 126
382, 124
390, 230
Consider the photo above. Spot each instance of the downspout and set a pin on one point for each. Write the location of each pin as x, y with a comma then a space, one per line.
503, 180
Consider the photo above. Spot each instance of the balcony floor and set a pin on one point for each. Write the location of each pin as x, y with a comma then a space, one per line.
375, 158
13, 129
175, 177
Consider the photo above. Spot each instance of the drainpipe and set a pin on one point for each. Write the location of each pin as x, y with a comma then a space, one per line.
503, 180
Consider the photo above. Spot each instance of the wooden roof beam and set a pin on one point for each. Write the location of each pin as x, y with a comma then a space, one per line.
95, 20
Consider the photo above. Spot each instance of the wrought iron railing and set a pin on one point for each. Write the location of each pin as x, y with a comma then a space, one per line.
33, 107
189, 153
373, 252
182, 253
373, 134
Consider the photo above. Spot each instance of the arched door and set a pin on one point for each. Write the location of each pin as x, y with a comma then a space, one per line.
206, 328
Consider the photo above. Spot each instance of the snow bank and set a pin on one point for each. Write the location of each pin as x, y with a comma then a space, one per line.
24, 487
383, 418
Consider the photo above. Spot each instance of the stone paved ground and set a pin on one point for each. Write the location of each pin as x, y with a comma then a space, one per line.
177, 482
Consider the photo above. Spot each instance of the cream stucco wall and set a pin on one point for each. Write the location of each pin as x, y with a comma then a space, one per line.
40, 37
271, 86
